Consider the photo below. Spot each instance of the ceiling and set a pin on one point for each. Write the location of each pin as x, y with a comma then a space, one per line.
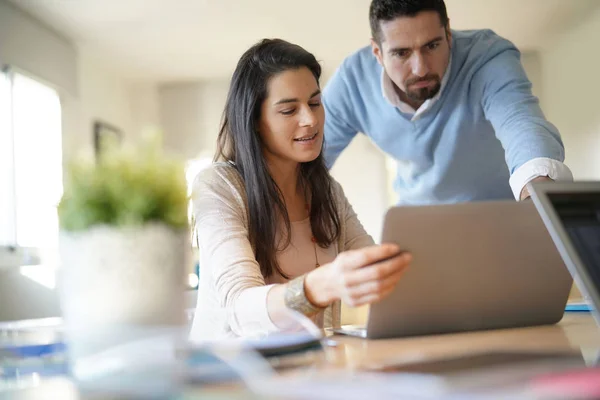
179, 40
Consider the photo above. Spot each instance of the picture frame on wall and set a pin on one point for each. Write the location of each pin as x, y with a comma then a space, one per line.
105, 135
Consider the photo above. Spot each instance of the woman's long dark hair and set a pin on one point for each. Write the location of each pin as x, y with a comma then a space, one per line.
240, 143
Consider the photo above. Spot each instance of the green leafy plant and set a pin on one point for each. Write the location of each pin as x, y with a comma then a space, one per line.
125, 187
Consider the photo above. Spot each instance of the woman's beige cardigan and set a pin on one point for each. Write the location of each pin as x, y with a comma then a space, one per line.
232, 291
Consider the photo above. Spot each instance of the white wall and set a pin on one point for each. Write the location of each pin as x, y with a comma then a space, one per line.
190, 114
88, 89
105, 96
145, 108
102, 96
361, 170
532, 63
570, 68
37, 49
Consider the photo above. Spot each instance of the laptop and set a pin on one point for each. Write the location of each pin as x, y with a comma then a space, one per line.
476, 266
571, 212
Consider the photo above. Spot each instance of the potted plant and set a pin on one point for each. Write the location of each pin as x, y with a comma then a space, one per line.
124, 245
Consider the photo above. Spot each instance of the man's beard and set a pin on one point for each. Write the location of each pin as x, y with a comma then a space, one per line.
426, 93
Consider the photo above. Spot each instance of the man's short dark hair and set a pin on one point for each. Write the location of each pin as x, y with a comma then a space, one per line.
388, 10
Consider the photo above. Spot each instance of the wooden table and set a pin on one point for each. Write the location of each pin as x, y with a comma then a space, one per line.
340, 368
574, 332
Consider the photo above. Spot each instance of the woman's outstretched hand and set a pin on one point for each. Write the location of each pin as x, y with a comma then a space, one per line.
358, 277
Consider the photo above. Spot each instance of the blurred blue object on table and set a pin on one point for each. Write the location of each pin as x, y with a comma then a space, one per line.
578, 306
31, 350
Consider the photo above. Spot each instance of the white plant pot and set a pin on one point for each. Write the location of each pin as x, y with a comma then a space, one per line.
115, 283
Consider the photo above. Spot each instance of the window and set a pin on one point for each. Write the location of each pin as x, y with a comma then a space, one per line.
30, 163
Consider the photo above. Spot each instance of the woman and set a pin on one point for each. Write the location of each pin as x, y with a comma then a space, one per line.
275, 231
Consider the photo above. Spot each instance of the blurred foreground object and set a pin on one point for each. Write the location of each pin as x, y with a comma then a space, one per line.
124, 245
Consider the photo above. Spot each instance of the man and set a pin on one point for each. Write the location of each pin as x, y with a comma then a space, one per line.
454, 108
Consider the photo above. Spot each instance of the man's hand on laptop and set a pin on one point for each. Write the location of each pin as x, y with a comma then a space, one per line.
358, 277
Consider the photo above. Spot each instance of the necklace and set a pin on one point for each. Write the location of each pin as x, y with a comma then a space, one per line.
313, 239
